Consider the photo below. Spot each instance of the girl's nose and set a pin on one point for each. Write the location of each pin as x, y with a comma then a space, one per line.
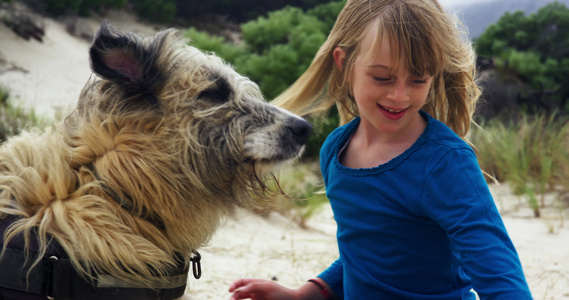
399, 91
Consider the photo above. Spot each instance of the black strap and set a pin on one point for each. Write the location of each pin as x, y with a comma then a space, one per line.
15, 265
57, 278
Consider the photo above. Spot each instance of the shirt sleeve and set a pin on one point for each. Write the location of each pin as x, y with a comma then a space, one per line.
334, 277
458, 199
327, 153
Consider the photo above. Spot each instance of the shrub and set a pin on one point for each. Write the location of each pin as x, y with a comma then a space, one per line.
277, 49
534, 47
161, 11
60, 7
216, 44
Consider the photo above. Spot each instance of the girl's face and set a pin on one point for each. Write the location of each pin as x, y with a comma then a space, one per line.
388, 97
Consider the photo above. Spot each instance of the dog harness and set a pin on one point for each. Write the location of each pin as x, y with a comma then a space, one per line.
54, 277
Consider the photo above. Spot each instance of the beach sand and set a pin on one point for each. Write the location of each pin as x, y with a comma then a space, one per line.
48, 77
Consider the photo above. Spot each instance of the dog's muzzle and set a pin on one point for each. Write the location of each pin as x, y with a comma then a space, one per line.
301, 130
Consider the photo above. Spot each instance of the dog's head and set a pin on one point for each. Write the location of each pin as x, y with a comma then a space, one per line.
169, 120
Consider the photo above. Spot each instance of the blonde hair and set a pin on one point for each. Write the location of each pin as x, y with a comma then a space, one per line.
431, 39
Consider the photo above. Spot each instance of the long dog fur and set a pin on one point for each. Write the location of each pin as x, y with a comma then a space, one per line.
174, 132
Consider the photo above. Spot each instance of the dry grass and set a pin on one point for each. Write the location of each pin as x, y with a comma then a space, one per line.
531, 154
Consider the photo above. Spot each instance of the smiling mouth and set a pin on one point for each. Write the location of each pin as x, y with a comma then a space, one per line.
390, 110
392, 114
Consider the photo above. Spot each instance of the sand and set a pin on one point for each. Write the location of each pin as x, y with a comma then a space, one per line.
47, 77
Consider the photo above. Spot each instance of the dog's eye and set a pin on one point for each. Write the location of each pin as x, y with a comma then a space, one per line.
219, 92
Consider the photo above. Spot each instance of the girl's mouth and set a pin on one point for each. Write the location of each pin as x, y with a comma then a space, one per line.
391, 113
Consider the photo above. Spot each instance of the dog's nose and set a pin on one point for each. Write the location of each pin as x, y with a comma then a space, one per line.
301, 130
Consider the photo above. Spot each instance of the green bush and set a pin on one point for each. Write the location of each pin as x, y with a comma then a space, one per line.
282, 46
161, 11
60, 7
239, 10
327, 13
535, 47
165, 11
216, 44
274, 70
277, 28
276, 50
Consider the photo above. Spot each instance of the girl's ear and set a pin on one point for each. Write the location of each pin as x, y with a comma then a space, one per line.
339, 56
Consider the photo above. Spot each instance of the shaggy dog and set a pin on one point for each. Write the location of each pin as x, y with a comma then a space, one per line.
113, 201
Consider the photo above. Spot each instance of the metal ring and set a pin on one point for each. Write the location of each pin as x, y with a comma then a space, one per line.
52, 258
196, 264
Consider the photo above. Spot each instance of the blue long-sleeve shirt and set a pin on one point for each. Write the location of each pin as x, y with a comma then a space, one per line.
422, 226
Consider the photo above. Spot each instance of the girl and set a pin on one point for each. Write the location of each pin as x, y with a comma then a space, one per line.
415, 217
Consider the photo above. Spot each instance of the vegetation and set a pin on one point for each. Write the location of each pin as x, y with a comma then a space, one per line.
239, 10
535, 48
276, 50
60, 7
166, 11
529, 151
162, 11
531, 154
14, 119
304, 192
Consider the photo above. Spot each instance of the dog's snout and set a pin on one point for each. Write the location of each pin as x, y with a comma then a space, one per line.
301, 130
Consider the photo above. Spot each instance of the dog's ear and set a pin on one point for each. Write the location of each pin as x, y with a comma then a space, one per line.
124, 59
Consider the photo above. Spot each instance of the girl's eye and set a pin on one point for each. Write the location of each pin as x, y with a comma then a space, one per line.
420, 80
380, 79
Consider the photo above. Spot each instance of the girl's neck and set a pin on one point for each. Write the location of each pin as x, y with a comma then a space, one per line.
406, 135
369, 148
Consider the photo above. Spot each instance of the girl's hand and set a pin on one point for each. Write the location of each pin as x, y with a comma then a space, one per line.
260, 289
